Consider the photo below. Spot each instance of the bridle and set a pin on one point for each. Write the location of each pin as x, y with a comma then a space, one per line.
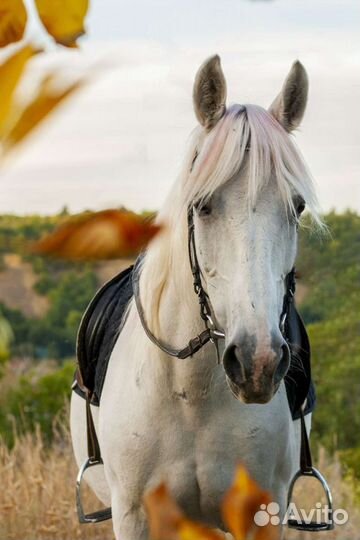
211, 332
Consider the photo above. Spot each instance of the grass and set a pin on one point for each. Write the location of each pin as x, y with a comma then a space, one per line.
37, 496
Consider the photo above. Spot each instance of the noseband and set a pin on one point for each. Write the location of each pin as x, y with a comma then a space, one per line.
211, 332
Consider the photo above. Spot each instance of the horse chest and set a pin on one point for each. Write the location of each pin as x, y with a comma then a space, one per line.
197, 453
193, 441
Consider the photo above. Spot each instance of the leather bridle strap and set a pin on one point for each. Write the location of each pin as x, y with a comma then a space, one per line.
290, 286
204, 301
193, 345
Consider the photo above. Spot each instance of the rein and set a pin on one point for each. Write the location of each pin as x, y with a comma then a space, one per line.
211, 332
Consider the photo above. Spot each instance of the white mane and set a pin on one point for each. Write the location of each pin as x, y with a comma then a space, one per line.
246, 135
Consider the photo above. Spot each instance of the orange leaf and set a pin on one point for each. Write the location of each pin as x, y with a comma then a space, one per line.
13, 19
189, 530
10, 73
63, 19
109, 234
167, 521
240, 505
45, 101
163, 514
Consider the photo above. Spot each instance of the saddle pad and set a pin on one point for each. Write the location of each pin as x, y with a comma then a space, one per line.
102, 322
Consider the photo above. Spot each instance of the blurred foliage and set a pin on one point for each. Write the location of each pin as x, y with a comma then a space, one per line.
12, 21
330, 266
63, 20
54, 335
330, 270
168, 522
6, 336
35, 400
94, 236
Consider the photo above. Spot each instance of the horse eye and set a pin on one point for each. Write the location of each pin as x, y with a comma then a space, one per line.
203, 208
300, 207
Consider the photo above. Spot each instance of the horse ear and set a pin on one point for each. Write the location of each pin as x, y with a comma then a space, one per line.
209, 94
289, 106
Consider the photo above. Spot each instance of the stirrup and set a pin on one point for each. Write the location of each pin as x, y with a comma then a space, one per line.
312, 526
94, 517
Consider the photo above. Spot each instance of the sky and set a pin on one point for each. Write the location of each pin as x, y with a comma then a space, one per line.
120, 141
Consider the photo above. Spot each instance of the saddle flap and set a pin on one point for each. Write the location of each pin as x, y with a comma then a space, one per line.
298, 379
99, 329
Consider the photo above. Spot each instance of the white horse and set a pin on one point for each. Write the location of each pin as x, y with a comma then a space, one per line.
165, 419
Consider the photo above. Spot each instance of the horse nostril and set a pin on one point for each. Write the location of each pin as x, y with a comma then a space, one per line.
232, 364
283, 365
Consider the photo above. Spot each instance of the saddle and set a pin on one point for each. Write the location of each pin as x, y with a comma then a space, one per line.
104, 318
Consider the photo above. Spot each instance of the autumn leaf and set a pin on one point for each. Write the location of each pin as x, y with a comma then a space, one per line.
63, 19
190, 530
109, 234
240, 505
10, 73
167, 521
13, 19
36, 111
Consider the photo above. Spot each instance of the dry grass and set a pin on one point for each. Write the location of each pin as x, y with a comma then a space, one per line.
37, 494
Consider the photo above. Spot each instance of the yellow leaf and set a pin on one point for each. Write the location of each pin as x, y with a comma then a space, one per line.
10, 73
107, 234
63, 19
46, 100
13, 19
240, 505
164, 515
188, 530
167, 521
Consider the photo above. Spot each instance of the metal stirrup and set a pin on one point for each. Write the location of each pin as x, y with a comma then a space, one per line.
307, 470
93, 460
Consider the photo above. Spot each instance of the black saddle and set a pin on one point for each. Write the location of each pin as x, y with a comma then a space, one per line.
102, 323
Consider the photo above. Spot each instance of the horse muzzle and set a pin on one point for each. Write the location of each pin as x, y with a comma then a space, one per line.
254, 374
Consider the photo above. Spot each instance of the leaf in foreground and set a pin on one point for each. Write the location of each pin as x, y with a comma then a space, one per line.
109, 234
13, 19
46, 100
63, 19
240, 505
168, 522
10, 73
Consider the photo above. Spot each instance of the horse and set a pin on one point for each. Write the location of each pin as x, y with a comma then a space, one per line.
189, 421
